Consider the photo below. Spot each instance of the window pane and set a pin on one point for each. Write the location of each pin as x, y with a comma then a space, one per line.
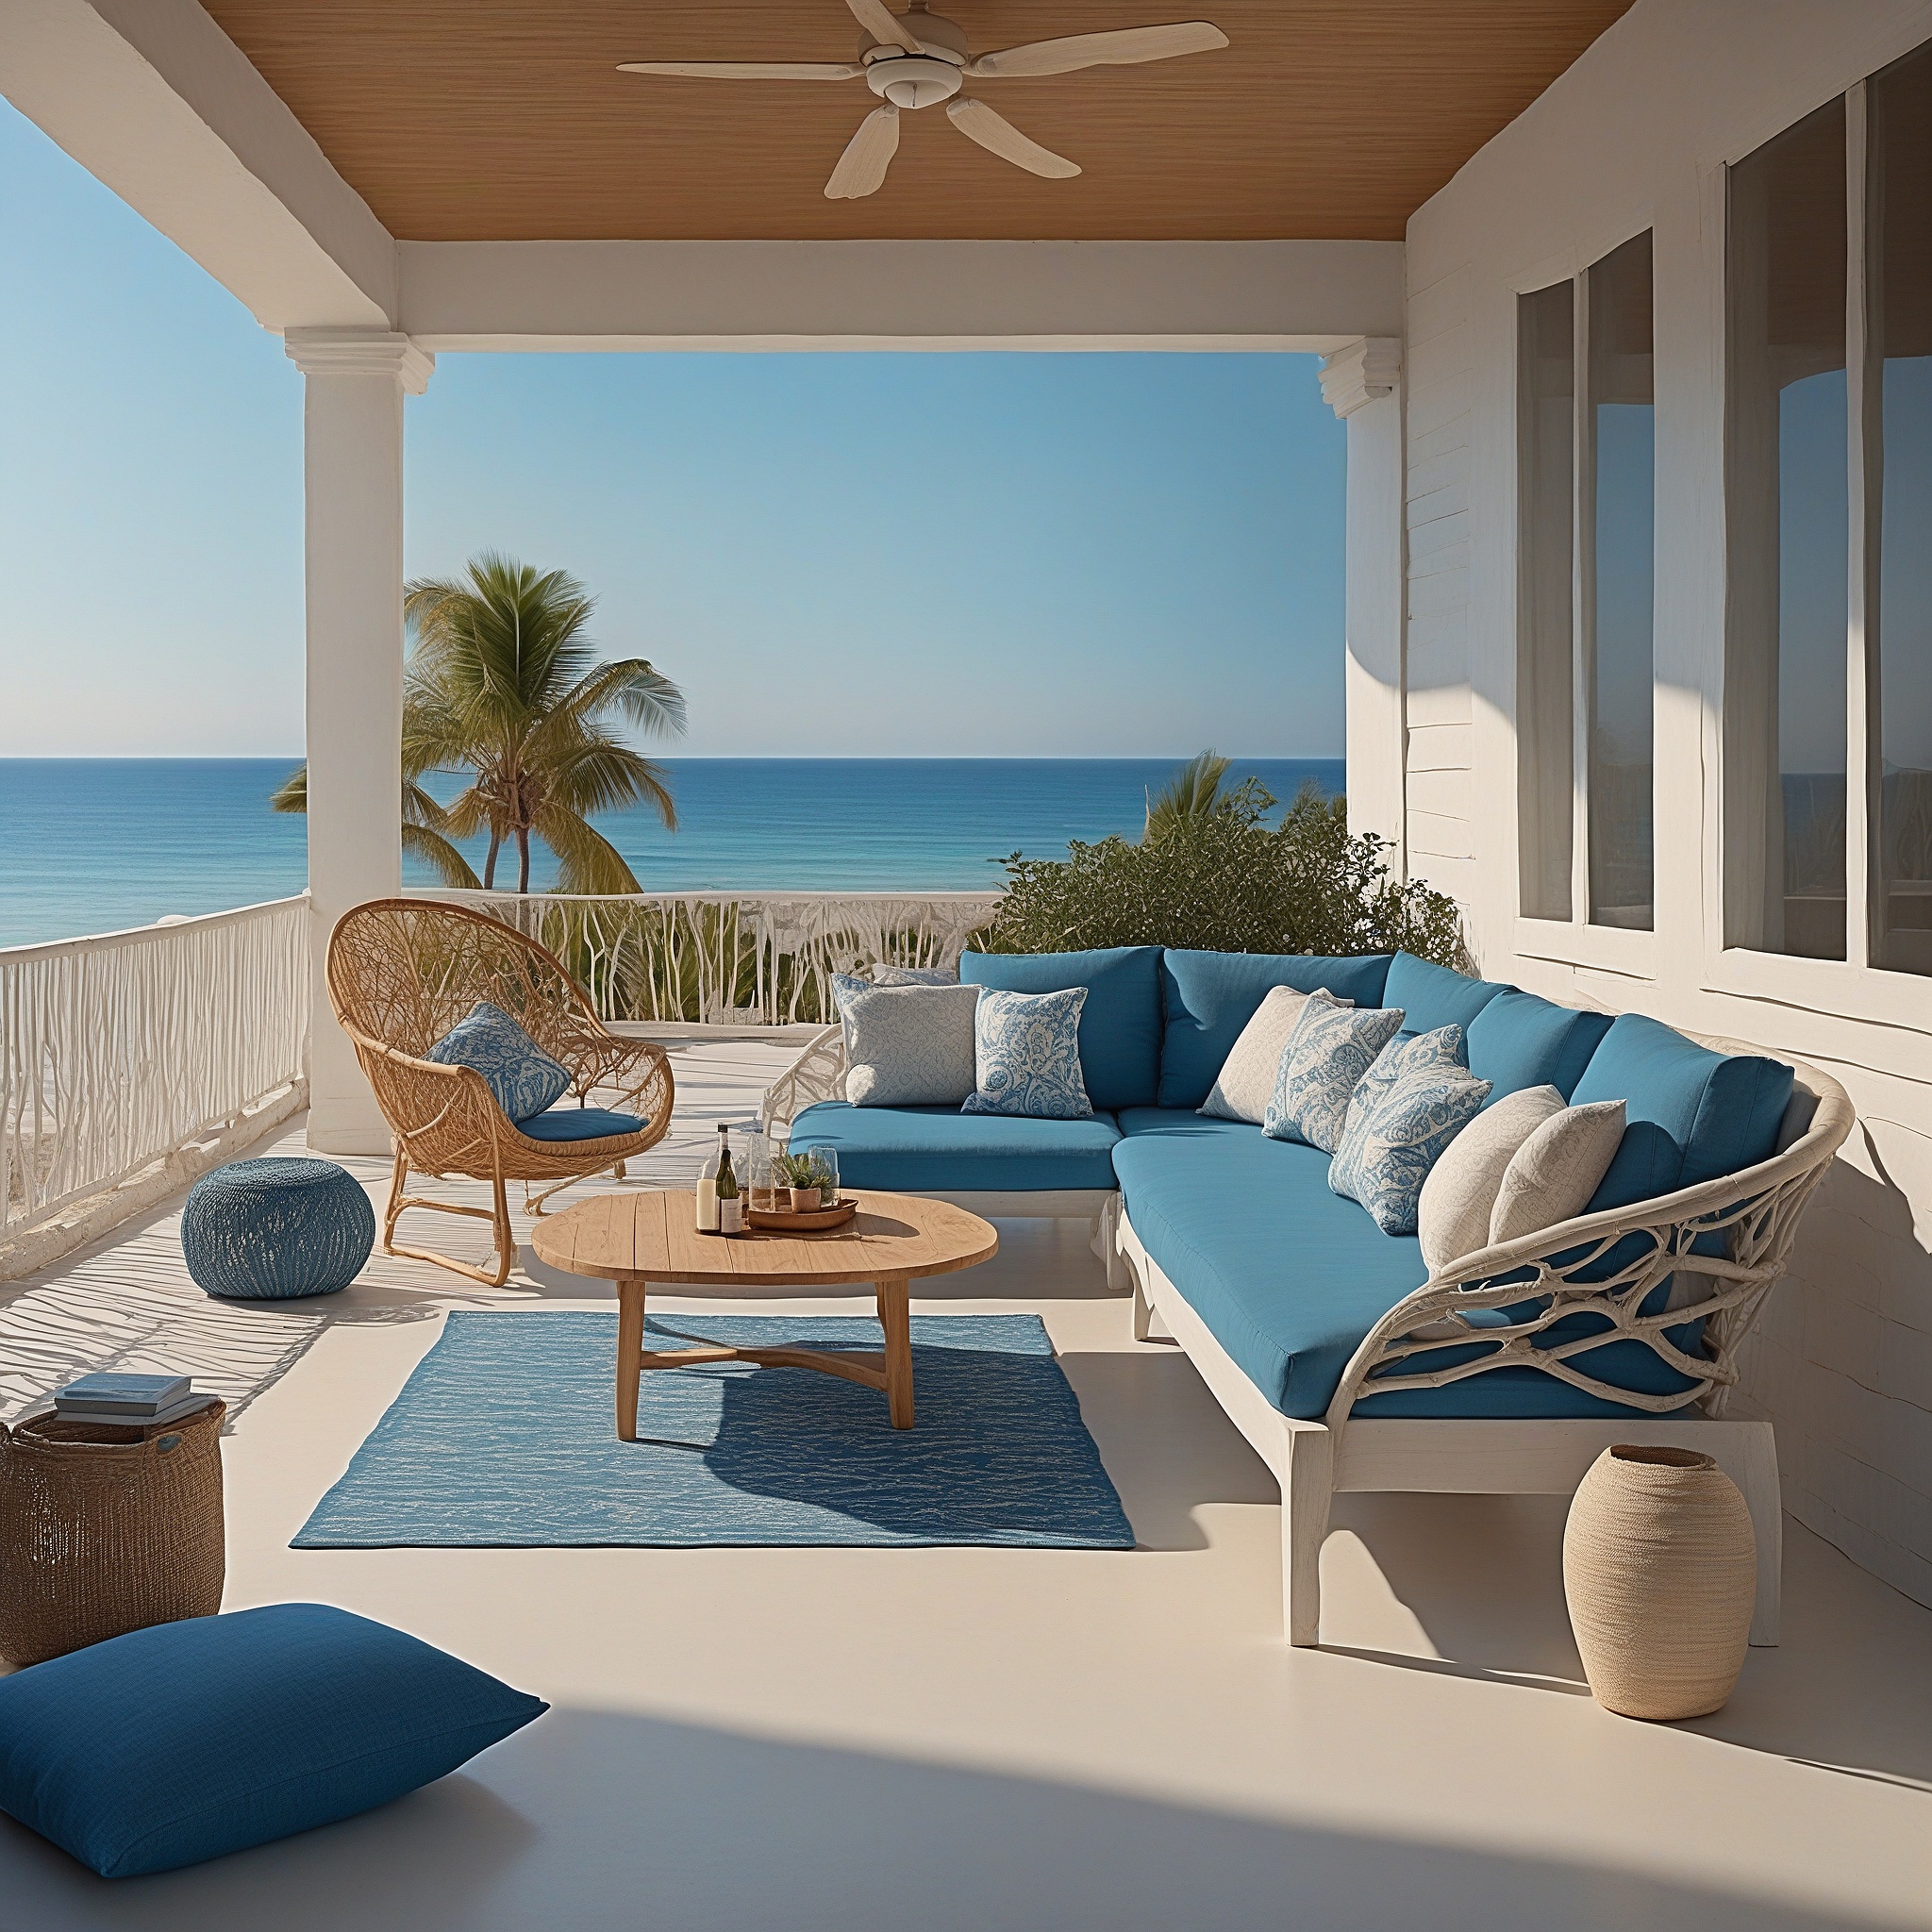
1545, 702
1901, 239
1620, 401
1787, 650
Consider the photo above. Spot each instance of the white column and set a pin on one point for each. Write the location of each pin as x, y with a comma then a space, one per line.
1362, 384
352, 424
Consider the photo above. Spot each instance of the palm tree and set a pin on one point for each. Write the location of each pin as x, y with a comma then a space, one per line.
1199, 789
505, 685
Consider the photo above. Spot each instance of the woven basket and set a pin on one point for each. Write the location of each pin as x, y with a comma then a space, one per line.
106, 1528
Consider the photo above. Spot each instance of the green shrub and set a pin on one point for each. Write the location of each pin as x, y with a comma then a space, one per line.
1225, 880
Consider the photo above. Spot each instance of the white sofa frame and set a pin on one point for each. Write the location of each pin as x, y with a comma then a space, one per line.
1756, 1211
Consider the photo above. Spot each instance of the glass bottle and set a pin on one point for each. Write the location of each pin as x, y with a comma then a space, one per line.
730, 1201
708, 1183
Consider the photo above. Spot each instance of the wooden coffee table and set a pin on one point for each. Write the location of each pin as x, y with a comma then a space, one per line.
635, 1239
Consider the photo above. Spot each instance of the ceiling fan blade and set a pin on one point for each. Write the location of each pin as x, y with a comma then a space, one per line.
1124, 48
746, 70
998, 136
883, 26
862, 169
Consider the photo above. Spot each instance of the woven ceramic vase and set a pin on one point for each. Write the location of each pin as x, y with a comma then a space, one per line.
1661, 1570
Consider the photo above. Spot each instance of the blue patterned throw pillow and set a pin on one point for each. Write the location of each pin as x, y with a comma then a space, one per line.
519, 1074
1026, 1055
1331, 1048
1399, 1123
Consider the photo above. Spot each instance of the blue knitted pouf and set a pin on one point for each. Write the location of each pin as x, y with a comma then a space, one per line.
271, 1229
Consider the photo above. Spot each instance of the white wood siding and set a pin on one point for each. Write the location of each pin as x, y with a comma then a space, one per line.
1636, 136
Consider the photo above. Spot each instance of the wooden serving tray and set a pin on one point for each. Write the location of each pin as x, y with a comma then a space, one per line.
783, 1219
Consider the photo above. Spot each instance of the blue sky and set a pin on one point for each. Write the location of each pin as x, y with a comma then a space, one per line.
1056, 555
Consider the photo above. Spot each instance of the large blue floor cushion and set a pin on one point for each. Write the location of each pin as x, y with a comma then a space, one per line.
1120, 1025
927, 1150
1207, 998
187, 1741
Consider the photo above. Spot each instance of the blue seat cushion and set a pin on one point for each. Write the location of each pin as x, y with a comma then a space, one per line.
1518, 1041
1690, 1114
1207, 998
580, 1123
183, 1742
1291, 1278
1432, 996
1120, 1025
920, 1150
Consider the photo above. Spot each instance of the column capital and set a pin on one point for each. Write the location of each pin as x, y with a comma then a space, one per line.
359, 352
1362, 372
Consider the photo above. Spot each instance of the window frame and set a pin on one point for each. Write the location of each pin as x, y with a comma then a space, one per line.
1628, 951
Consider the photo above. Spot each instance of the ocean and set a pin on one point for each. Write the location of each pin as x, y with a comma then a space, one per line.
92, 846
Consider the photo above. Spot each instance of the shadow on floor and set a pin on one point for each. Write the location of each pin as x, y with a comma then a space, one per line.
595, 1820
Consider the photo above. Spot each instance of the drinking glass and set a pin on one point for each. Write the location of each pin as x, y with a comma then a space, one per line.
827, 1160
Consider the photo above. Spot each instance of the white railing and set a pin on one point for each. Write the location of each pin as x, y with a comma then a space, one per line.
745, 958
118, 1050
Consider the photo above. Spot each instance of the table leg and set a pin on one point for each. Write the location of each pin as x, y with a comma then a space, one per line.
630, 1347
895, 1318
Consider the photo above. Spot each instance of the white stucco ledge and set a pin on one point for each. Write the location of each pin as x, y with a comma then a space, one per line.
1363, 373
360, 352
1183, 295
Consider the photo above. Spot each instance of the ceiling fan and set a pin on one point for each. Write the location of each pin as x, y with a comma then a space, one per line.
917, 60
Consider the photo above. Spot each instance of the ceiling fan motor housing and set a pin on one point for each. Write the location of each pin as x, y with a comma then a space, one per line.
918, 80
913, 81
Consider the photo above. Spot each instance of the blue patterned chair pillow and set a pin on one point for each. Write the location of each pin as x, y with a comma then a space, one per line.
845, 985
1397, 1127
1331, 1048
519, 1074
1026, 1055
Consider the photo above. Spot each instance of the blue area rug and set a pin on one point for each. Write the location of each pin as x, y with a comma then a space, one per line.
504, 1435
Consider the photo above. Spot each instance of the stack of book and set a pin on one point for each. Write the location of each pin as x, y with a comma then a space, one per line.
128, 1401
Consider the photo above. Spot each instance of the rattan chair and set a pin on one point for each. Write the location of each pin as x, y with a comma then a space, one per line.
401, 974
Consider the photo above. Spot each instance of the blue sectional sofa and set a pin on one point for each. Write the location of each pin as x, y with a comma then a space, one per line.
1325, 1338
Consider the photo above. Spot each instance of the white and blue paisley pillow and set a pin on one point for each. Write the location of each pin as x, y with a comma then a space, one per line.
1026, 1055
524, 1079
1331, 1048
1397, 1128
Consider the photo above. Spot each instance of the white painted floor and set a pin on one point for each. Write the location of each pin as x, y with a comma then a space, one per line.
974, 1737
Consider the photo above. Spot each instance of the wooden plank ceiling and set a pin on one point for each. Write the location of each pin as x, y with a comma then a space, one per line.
498, 120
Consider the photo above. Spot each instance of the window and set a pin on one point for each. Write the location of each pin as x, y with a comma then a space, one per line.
1828, 635
1619, 575
1585, 661
1899, 243
1786, 647
1545, 677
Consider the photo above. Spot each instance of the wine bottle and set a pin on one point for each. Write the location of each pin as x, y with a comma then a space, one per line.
730, 1202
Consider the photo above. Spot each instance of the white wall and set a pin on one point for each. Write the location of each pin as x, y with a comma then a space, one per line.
1636, 135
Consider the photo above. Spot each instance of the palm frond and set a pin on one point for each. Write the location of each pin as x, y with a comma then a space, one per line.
641, 693
436, 852
292, 793
600, 775
586, 861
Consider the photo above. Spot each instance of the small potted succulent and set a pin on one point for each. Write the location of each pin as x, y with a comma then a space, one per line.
810, 1184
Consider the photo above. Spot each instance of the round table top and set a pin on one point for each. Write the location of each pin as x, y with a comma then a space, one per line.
652, 1236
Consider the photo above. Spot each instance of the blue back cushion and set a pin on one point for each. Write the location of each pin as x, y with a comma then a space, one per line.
1690, 1114
1520, 1040
1120, 1025
1208, 997
1432, 996
185, 1740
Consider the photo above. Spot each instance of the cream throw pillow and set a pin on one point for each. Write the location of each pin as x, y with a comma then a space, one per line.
1459, 1197
1557, 1169
1242, 1088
